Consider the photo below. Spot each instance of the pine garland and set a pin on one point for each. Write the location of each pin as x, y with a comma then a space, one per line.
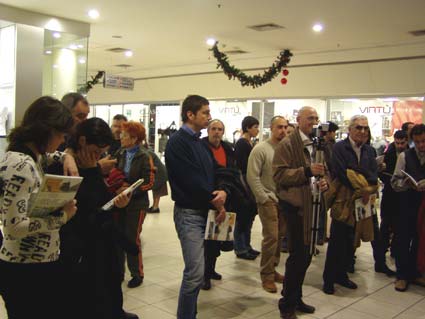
256, 80
89, 84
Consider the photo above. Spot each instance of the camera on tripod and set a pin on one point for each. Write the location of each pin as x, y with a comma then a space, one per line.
318, 134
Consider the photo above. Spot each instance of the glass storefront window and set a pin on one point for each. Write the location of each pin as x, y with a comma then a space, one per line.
7, 76
137, 112
65, 63
385, 115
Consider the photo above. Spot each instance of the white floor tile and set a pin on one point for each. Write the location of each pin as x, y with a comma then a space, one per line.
239, 294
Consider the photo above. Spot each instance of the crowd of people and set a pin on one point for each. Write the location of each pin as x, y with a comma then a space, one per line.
291, 180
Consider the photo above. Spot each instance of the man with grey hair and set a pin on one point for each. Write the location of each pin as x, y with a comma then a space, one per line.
352, 153
293, 169
260, 180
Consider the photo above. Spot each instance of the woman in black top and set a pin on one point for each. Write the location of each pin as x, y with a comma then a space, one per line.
88, 250
244, 221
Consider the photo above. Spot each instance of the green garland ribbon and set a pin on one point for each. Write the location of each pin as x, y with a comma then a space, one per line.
89, 84
255, 80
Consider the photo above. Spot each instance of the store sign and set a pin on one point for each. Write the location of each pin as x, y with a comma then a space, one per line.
118, 82
376, 109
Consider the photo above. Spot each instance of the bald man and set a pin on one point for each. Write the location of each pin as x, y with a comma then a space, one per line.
260, 180
293, 169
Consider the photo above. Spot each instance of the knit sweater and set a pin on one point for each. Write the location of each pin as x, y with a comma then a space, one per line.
26, 239
260, 172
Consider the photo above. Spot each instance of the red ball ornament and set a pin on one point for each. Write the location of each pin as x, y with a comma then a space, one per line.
285, 72
283, 81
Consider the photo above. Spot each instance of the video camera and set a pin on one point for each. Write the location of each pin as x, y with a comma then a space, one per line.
318, 134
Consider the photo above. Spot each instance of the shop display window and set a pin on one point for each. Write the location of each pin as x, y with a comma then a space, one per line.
65, 63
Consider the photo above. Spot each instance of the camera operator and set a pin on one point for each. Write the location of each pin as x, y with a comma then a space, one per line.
293, 169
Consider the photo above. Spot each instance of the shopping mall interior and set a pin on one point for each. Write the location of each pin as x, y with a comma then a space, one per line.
142, 58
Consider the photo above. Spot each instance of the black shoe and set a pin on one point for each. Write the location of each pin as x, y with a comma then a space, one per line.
135, 282
347, 283
302, 307
254, 252
350, 269
129, 315
206, 285
385, 270
246, 256
216, 276
328, 289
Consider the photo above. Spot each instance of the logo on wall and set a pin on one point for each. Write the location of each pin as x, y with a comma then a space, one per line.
376, 109
232, 110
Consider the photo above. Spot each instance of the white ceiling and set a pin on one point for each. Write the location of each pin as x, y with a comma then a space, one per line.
168, 36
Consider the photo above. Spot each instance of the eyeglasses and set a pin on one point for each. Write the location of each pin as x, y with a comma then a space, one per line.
361, 128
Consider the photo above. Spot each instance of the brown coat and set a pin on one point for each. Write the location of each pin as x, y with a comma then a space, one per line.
289, 173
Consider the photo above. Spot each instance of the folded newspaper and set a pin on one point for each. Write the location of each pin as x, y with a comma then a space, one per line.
223, 231
54, 193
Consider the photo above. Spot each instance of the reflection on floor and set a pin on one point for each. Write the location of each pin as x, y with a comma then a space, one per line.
239, 295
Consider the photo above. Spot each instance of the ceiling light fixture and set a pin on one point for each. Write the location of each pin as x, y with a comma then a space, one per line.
80, 46
81, 60
128, 53
93, 13
211, 41
73, 47
56, 35
48, 52
318, 27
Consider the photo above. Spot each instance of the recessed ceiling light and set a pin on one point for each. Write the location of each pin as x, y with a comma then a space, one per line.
56, 35
81, 60
318, 27
128, 53
48, 52
73, 47
80, 46
211, 41
93, 13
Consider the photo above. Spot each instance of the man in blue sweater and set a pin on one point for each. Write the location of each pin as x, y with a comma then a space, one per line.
191, 171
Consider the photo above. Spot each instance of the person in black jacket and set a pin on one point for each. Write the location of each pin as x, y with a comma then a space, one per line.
243, 148
223, 153
191, 175
88, 242
390, 202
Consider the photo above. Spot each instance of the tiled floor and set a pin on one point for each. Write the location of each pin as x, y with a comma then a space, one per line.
239, 294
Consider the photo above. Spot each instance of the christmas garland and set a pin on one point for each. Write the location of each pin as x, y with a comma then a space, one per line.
89, 84
256, 80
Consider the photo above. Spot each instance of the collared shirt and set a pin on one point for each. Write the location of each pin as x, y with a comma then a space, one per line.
129, 155
191, 131
308, 143
357, 149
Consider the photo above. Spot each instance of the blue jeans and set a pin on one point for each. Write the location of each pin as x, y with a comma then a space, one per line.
242, 236
190, 227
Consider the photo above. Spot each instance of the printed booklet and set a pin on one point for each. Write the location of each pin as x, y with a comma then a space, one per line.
223, 231
55, 191
131, 188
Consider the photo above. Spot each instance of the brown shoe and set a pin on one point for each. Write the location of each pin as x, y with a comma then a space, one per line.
288, 315
269, 286
278, 278
400, 285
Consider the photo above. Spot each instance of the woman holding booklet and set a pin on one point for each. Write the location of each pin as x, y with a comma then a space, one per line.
88, 250
134, 160
29, 271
